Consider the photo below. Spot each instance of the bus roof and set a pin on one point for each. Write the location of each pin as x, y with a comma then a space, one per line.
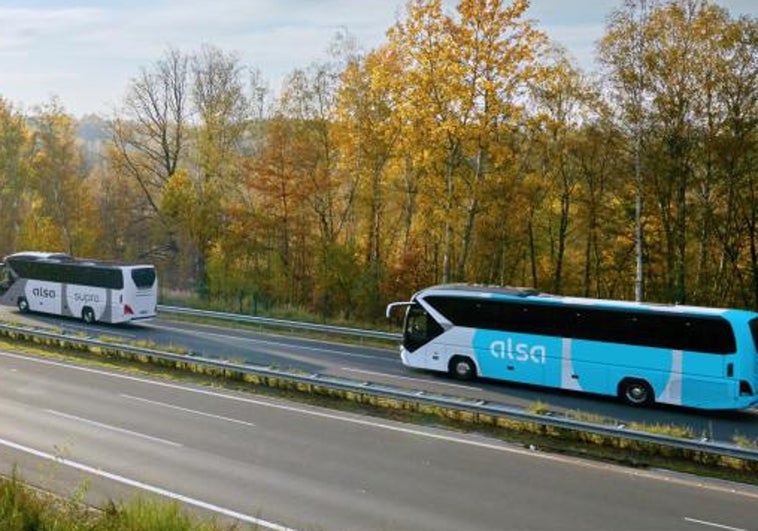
36, 255
61, 258
520, 293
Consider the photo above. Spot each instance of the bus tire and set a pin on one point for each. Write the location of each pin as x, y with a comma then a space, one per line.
462, 368
636, 392
88, 315
23, 304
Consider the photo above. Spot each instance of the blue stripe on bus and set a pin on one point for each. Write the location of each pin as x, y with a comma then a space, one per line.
598, 367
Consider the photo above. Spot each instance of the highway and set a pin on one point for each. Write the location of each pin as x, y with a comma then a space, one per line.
383, 366
283, 465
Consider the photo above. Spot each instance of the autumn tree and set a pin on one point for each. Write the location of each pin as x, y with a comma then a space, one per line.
61, 214
368, 134
276, 179
734, 154
678, 83
222, 111
462, 90
15, 154
309, 100
149, 145
564, 102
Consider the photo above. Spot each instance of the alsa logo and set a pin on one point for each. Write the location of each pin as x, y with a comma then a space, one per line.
515, 351
44, 293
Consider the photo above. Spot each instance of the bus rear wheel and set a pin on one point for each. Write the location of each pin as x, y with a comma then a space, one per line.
23, 304
636, 392
88, 315
462, 368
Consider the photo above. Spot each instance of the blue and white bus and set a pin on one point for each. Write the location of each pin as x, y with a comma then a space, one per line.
92, 290
643, 353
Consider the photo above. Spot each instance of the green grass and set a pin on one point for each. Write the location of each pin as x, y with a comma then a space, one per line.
744, 441
538, 408
669, 430
25, 509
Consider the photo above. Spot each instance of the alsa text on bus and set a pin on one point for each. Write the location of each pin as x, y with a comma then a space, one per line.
515, 351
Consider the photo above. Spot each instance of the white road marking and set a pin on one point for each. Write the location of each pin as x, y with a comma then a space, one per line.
112, 428
501, 447
145, 486
186, 410
713, 524
373, 373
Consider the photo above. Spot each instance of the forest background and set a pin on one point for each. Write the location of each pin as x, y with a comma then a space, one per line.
467, 147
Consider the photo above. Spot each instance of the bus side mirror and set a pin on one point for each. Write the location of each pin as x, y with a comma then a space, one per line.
392, 306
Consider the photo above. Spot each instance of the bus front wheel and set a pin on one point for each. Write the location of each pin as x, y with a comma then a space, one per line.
88, 315
462, 368
636, 392
23, 304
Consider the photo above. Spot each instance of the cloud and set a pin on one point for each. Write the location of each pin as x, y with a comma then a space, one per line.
86, 51
87, 55
27, 28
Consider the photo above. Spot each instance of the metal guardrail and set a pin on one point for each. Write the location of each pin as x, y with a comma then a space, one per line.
292, 325
424, 397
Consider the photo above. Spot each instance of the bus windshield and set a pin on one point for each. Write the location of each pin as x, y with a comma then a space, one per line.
420, 328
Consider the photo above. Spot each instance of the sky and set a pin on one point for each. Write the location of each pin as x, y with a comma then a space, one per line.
85, 52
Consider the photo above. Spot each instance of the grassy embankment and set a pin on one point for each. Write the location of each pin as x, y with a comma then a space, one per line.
23, 508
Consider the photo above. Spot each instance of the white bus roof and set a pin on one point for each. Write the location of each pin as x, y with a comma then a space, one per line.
40, 255
515, 293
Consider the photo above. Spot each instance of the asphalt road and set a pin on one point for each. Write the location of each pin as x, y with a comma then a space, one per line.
383, 366
289, 466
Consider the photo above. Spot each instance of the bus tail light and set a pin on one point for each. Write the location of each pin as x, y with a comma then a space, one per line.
745, 388
128, 310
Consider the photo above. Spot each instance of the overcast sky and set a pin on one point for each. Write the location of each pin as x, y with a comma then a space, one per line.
86, 51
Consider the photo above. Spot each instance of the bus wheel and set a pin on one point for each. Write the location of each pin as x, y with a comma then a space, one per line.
23, 304
636, 392
88, 316
462, 368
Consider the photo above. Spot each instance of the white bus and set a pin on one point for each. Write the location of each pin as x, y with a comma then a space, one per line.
92, 290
